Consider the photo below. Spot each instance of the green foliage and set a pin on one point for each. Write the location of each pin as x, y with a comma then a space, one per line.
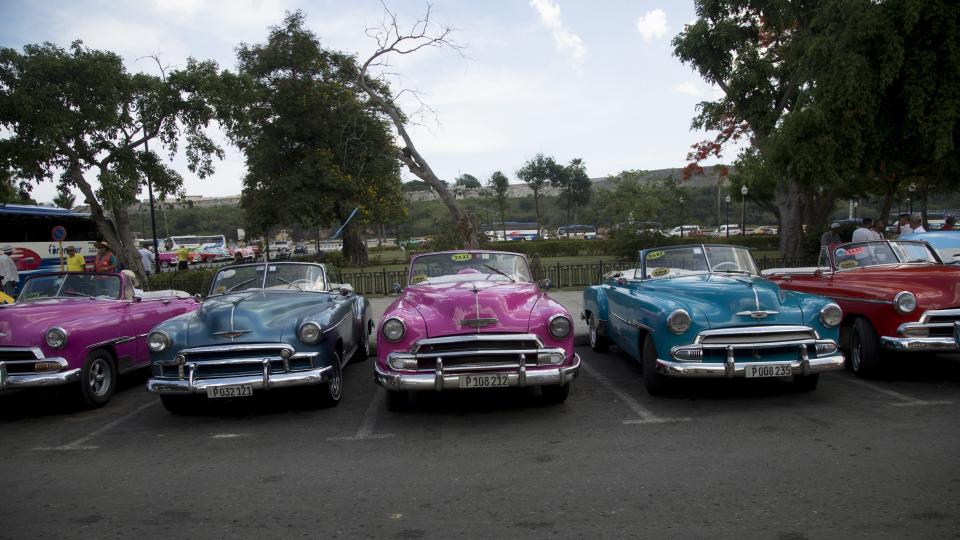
191, 281
575, 187
467, 181
315, 147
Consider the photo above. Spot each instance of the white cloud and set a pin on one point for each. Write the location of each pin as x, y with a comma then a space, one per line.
653, 25
563, 39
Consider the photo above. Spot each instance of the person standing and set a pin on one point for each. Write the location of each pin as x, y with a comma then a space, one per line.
904, 222
147, 260
917, 224
183, 258
75, 261
105, 261
878, 230
949, 224
864, 232
8, 271
831, 237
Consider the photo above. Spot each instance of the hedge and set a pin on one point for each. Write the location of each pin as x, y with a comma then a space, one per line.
191, 281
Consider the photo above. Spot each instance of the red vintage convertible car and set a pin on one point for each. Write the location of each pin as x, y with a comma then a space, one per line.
895, 295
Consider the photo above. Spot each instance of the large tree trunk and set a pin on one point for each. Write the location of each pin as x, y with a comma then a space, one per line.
127, 251
97, 213
789, 199
354, 248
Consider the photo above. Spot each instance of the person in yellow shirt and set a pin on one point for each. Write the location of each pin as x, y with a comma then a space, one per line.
183, 258
75, 261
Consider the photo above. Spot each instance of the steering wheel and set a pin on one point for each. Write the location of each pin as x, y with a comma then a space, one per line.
733, 265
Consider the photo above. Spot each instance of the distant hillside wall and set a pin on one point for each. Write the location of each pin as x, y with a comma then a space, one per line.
708, 178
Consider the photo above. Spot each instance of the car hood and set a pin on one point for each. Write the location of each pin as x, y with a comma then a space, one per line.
252, 317
24, 323
721, 297
936, 286
448, 308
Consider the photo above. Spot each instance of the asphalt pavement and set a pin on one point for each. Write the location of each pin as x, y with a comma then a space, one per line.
718, 459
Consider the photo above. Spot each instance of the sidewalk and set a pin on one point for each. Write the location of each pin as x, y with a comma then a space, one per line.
572, 299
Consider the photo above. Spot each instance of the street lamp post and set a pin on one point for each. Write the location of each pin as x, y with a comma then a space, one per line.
727, 225
856, 209
743, 210
681, 216
912, 187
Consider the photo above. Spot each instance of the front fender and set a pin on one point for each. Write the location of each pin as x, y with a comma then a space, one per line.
595, 303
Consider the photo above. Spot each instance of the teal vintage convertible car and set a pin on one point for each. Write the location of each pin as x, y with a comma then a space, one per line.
264, 326
703, 311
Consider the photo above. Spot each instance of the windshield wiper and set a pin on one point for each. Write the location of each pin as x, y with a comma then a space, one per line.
501, 272
75, 293
238, 285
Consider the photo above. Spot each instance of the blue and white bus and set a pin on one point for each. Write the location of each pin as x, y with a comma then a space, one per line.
28, 230
586, 232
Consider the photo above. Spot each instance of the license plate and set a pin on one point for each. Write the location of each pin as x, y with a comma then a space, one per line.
770, 370
483, 381
234, 390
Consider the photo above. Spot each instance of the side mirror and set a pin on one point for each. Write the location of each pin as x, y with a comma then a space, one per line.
137, 298
545, 284
397, 288
621, 281
344, 290
198, 298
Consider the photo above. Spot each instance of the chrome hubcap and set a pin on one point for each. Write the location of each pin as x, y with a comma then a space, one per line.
857, 351
99, 379
335, 380
593, 331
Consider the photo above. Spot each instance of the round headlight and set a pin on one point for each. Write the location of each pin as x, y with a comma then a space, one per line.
905, 302
678, 321
831, 315
158, 342
56, 337
560, 326
309, 332
393, 329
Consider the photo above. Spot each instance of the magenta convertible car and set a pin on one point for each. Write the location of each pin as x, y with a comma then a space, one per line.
474, 319
82, 329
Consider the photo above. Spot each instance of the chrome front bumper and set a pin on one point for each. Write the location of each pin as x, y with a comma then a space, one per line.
266, 381
439, 380
807, 366
14, 381
915, 336
686, 360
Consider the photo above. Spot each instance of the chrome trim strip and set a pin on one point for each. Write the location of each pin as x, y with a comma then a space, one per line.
919, 343
429, 381
759, 314
865, 300
32, 380
927, 315
36, 351
635, 324
239, 347
738, 369
336, 325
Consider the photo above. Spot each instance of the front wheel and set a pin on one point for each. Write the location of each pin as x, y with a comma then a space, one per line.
655, 383
98, 379
363, 348
597, 342
864, 349
329, 393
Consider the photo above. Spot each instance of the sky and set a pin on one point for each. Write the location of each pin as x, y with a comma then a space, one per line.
594, 80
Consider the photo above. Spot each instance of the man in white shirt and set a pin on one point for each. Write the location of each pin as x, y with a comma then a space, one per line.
917, 224
8, 270
904, 222
864, 232
147, 260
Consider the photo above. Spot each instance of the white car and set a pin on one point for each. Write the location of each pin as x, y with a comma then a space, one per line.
722, 231
688, 230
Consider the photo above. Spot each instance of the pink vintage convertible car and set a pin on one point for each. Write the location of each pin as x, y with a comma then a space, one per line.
86, 328
474, 319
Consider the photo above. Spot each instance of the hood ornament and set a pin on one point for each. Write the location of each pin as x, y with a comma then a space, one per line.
758, 314
233, 333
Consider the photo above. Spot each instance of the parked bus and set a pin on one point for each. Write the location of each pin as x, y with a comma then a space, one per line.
514, 231
28, 229
191, 242
587, 232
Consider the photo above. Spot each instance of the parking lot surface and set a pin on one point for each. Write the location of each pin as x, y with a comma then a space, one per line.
717, 459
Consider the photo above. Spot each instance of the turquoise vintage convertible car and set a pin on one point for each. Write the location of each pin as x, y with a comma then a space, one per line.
703, 311
264, 326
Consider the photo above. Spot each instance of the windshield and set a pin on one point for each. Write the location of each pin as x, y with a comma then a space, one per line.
686, 260
287, 276
71, 285
469, 266
863, 254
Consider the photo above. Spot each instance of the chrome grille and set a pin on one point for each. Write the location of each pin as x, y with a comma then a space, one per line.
236, 361
14, 354
478, 351
939, 322
756, 335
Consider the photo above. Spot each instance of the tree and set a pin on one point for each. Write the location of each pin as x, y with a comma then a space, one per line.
78, 113
13, 192
538, 172
391, 40
415, 185
574, 187
468, 181
64, 198
500, 185
315, 150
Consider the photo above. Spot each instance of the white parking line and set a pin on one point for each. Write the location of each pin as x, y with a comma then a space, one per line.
365, 431
905, 400
80, 444
646, 416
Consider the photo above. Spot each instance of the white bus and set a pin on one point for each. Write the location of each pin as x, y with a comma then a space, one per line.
586, 232
192, 242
